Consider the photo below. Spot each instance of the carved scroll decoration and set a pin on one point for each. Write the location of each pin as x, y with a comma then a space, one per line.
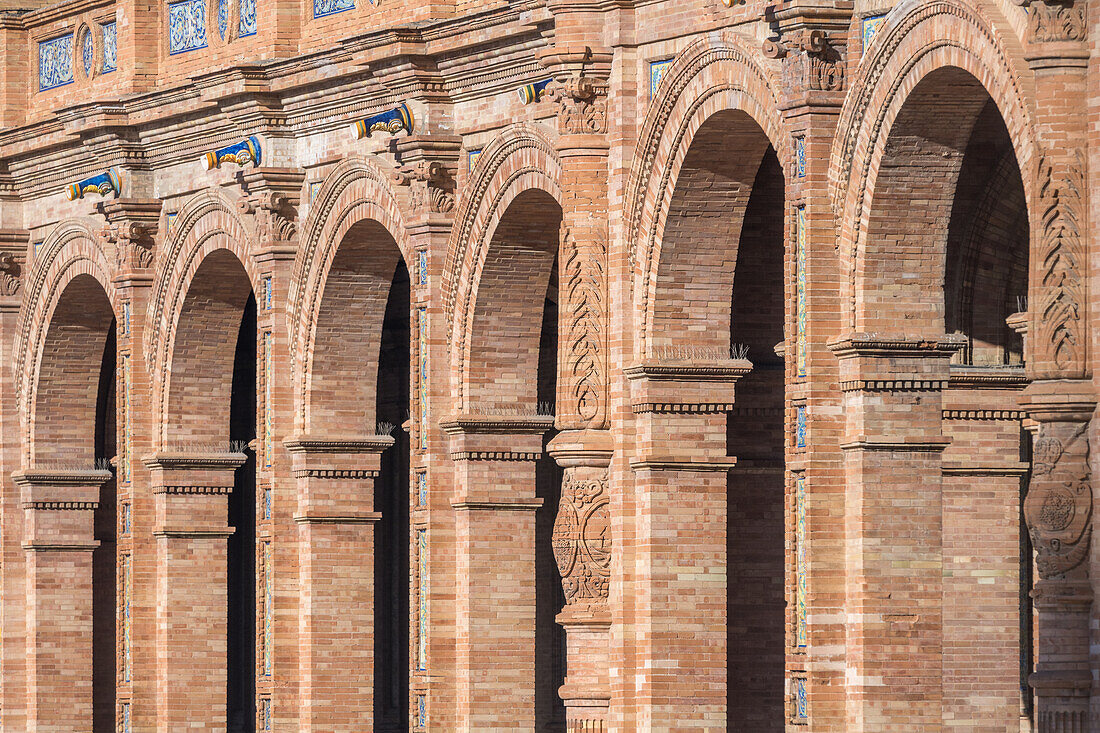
583, 279
274, 213
582, 539
809, 61
1061, 263
1058, 507
133, 242
1054, 21
582, 105
430, 184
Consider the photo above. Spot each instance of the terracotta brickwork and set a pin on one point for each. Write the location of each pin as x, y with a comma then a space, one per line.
734, 375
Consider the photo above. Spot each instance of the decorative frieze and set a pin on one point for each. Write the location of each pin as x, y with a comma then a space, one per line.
55, 62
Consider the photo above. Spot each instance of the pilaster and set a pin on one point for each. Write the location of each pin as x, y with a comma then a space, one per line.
58, 508
893, 456
495, 502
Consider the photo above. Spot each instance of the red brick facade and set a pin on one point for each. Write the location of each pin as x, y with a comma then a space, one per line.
741, 380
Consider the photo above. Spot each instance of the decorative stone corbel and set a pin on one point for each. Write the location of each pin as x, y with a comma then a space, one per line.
131, 229
271, 197
13, 255
1055, 21
430, 184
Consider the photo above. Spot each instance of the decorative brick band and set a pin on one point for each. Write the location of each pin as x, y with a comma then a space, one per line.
194, 534
670, 464
689, 408
1009, 469
60, 546
901, 446
334, 473
494, 455
508, 506
192, 489
366, 518
984, 414
61, 505
893, 385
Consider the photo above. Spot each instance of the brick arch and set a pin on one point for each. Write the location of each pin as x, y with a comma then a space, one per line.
914, 43
357, 207
208, 224
714, 74
521, 159
72, 252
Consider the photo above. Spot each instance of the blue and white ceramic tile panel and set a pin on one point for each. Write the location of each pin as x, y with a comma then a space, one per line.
800, 157
269, 418
422, 488
124, 715
421, 711
87, 52
110, 47
800, 715
657, 71
247, 25
800, 426
314, 189
186, 26
55, 62
268, 637
322, 8
870, 28
422, 265
265, 714
126, 449
422, 374
223, 18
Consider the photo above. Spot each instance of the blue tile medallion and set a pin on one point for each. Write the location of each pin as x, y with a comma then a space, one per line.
87, 51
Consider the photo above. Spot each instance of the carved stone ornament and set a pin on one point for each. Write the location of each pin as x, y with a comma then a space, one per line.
582, 105
1059, 341
133, 243
429, 185
1058, 507
582, 539
583, 278
10, 270
1053, 21
809, 61
274, 214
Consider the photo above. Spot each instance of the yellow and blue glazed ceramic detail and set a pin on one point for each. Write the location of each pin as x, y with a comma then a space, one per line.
126, 449
265, 714
422, 613
800, 288
321, 8
471, 158
127, 589
186, 26
55, 62
421, 711
242, 153
870, 29
531, 93
800, 157
421, 488
103, 184
422, 266
110, 47
314, 189
800, 560
392, 121
657, 71
269, 595
269, 418
422, 374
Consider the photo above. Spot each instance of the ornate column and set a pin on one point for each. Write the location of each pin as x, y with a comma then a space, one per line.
190, 527
582, 529
1058, 511
1061, 397
13, 246
428, 169
335, 516
680, 483
58, 508
494, 503
893, 456
270, 196
132, 227
809, 44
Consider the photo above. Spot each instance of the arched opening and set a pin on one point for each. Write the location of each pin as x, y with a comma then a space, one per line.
211, 411
359, 388
512, 374
947, 252
720, 295
74, 428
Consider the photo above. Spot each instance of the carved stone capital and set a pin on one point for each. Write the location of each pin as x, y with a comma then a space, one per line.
131, 229
1055, 21
582, 105
271, 197
13, 255
430, 184
809, 43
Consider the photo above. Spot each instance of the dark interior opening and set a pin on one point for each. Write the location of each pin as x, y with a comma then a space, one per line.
550, 651
392, 533
241, 576
755, 434
104, 578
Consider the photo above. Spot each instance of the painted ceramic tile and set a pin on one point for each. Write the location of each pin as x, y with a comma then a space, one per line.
186, 26
800, 561
247, 25
870, 30
322, 8
55, 62
800, 285
87, 52
110, 47
657, 71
